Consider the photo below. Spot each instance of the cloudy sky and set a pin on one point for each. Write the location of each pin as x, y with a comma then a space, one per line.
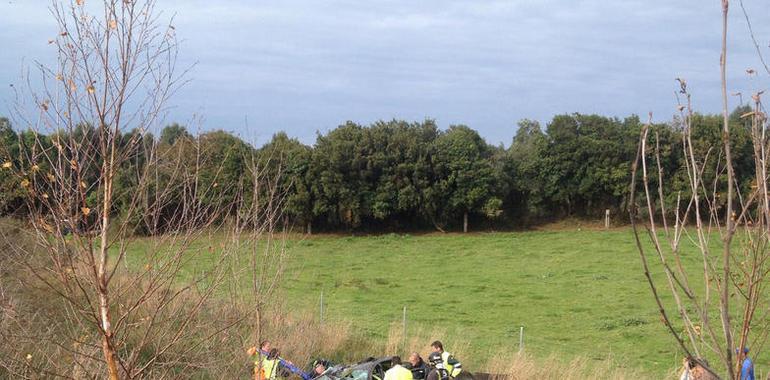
304, 66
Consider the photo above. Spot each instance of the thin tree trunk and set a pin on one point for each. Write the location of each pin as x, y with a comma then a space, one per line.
258, 329
110, 356
465, 222
725, 314
309, 228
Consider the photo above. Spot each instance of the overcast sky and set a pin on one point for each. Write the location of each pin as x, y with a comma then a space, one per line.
304, 66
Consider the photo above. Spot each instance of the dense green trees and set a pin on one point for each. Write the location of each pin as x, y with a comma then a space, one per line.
396, 175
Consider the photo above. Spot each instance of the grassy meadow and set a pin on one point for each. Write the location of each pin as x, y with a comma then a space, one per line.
578, 294
575, 293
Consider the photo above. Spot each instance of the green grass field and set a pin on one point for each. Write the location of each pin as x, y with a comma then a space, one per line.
577, 293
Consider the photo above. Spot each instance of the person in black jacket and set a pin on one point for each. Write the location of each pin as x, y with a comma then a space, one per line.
438, 372
418, 367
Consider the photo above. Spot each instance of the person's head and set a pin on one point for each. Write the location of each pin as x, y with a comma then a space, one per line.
272, 354
743, 354
436, 346
415, 359
265, 346
394, 361
435, 359
319, 366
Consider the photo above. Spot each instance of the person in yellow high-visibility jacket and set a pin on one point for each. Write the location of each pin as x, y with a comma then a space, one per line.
266, 366
452, 365
266, 361
397, 371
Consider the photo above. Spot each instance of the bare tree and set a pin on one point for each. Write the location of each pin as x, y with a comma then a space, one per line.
714, 308
262, 228
93, 178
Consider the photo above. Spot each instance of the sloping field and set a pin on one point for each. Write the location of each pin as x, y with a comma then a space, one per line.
577, 293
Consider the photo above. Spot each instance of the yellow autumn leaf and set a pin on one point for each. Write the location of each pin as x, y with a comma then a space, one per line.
25, 182
113, 24
29, 356
79, 2
59, 77
50, 176
7, 165
91, 89
72, 85
35, 168
85, 210
82, 184
45, 195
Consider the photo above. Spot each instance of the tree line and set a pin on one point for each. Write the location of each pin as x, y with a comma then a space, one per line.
399, 175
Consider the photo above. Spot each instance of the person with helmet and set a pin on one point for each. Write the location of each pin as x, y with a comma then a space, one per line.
438, 372
452, 365
397, 371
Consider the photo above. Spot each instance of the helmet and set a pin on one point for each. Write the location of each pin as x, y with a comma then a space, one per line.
435, 358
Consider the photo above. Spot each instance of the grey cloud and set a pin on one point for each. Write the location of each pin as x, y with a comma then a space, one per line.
303, 65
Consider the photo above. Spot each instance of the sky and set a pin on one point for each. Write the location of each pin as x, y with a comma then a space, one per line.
305, 66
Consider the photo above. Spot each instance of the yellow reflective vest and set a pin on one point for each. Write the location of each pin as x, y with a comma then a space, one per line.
398, 372
265, 369
451, 364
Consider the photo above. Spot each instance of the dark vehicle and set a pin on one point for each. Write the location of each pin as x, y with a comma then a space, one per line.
368, 369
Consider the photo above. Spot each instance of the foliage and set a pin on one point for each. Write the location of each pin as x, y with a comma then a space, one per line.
397, 175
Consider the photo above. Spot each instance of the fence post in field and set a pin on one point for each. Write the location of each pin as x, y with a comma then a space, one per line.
607, 219
521, 339
403, 350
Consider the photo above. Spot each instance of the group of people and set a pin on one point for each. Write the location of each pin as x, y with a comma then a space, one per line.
441, 365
